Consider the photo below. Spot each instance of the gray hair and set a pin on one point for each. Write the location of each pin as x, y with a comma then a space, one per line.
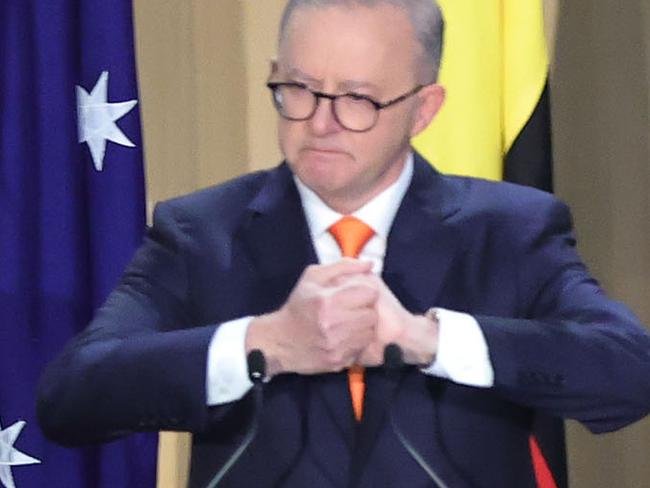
425, 16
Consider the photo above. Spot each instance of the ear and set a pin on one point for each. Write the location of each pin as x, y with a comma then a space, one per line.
431, 99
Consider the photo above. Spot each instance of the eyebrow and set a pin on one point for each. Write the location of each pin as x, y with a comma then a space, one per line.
345, 85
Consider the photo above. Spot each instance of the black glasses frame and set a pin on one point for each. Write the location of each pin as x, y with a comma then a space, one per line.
273, 86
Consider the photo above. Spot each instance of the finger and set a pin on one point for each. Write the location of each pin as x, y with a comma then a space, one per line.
358, 320
354, 329
353, 295
352, 277
359, 341
370, 357
345, 358
325, 274
342, 352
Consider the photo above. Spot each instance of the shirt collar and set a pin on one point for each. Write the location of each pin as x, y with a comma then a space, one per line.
378, 213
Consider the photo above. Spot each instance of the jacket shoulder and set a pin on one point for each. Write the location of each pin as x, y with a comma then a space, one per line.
231, 194
499, 201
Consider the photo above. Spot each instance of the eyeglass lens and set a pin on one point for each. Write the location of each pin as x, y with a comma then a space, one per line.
298, 103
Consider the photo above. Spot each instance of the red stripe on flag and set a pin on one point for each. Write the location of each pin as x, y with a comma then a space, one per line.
543, 473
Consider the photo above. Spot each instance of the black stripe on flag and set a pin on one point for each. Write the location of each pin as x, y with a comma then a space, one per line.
530, 159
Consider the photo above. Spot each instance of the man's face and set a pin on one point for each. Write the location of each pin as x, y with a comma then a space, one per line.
367, 50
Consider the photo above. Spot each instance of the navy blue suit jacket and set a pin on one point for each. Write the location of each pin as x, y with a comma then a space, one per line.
505, 254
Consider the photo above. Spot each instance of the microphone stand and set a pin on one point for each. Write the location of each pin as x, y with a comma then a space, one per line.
256, 372
393, 363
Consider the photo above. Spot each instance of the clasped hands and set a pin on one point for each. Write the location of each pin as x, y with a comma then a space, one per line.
336, 316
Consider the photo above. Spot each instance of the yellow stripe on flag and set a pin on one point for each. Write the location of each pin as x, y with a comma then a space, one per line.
494, 68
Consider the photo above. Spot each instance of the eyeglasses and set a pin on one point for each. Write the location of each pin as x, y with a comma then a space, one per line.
354, 112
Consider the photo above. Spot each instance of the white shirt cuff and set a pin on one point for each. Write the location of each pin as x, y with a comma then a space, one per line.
227, 370
463, 355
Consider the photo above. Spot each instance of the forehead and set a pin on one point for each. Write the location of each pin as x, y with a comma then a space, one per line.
368, 44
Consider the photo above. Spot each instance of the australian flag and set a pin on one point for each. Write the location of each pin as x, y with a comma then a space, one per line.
72, 212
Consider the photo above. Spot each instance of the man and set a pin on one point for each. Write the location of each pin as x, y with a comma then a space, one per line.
478, 283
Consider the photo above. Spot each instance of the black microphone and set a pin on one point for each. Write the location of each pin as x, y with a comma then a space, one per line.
256, 372
393, 361
393, 364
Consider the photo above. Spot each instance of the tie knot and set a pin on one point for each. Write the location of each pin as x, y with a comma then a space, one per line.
351, 234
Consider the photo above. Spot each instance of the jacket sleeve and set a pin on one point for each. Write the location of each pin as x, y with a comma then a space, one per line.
571, 352
140, 365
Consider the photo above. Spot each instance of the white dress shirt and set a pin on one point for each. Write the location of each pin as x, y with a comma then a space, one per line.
462, 354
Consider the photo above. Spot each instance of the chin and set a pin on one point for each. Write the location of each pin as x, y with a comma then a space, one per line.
323, 171
322, 183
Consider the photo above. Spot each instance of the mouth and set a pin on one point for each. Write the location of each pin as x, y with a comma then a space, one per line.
329, 151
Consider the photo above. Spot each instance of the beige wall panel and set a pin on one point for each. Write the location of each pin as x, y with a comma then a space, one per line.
193, 91
601, 128
166, 62
551, 10
173, 459
220, 90
260, 38
645, 6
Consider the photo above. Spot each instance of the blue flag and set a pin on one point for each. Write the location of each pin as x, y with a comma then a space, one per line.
72, 212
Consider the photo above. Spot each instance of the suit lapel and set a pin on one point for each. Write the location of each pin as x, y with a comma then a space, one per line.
422, 245
277, 237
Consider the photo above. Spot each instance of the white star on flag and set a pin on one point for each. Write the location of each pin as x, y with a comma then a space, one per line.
97, 117
10, 456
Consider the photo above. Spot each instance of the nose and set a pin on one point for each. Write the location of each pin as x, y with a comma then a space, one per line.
323, 121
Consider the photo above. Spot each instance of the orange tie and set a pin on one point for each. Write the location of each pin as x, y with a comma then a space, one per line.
352, 234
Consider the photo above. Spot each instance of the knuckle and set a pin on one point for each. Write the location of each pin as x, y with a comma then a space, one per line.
323, 306
372, 316
366, 319
338, 281
332, 358
330, 346
323, 326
